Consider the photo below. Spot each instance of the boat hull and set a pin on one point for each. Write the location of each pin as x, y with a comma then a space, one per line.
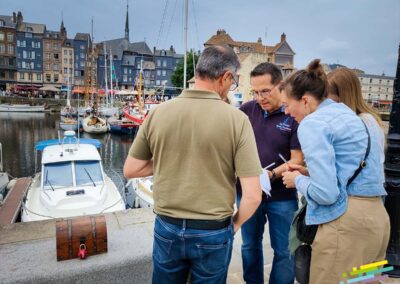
90, 126
21, 108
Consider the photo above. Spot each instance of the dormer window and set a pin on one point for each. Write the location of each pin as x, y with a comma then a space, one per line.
2, 23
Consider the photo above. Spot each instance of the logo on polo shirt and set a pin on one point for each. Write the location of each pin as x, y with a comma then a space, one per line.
285, 125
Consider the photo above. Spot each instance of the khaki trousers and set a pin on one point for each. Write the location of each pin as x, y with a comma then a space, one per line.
360, 236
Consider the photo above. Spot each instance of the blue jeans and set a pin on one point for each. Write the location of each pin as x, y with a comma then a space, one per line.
280, 215
180, 251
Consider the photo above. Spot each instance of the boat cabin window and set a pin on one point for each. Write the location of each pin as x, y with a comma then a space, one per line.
88, 172
57, 175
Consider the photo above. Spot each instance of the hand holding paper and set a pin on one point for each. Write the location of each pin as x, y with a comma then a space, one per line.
265, 182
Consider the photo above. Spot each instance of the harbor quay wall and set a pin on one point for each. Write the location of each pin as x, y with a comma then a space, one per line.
28, 252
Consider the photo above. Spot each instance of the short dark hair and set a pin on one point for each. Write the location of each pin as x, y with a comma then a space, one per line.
311, 80
267, 68
215, 61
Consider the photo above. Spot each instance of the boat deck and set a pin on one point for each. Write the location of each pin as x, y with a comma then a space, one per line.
12, 203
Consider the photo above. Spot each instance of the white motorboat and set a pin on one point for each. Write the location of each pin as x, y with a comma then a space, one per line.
141, 190
21, 108
94, 124
71, 182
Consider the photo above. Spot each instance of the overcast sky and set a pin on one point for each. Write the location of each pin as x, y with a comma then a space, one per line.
357, 33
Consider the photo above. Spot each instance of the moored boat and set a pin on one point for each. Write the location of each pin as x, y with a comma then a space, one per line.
71, 182
142, 192
21, 108
94, 124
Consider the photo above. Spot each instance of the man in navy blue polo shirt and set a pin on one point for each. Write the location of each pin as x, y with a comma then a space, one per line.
276, 133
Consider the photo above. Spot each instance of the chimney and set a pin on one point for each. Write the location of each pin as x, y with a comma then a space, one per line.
14, 18
171, 48
221, 32
20, 19
283, 37
259, 40
154, 50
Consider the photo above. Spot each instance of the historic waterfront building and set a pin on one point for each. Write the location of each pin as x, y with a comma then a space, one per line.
165, 63
67, 65
82, 46
378, 90
253, 53
32, 57
7, 52
29, 56
128, 59
52, 43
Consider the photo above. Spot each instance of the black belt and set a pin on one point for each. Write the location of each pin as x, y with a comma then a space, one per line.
198, 224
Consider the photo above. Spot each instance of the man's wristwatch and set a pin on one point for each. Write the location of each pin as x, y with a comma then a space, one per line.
273, 175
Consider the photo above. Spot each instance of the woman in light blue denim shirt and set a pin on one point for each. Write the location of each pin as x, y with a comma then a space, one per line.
353, 224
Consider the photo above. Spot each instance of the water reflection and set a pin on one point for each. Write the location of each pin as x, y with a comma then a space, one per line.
19, 132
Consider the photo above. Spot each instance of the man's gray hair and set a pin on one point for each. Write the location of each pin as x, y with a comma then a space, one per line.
215, 61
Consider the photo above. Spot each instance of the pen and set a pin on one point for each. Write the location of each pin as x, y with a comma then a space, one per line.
270, 165
283, 158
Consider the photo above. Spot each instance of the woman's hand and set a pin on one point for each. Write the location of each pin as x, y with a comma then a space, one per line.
301, 169
288, 178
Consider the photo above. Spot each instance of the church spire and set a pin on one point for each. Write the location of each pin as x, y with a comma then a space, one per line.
127, 23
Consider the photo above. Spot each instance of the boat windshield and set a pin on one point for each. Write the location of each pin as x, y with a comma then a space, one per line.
57, 175
88, 173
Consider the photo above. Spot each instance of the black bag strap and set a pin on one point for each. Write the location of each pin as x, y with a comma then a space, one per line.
363, 163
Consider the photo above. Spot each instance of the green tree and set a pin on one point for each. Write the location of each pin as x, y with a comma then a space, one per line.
177, 76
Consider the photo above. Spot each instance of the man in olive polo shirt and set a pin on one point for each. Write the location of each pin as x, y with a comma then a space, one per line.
195, 146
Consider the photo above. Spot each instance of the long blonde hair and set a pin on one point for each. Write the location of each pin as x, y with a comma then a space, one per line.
344, 83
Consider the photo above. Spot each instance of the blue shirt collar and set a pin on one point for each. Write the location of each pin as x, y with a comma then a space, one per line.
326, 102
279, 110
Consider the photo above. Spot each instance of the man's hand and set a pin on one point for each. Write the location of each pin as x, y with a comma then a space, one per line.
288, 178
301, 169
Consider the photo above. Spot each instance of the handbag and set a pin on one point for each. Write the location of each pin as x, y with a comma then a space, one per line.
303, 261
306, 233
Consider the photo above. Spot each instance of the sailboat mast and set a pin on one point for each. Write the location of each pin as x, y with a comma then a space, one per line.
186, 32
111, 72
105, 71
68, 91
140, 86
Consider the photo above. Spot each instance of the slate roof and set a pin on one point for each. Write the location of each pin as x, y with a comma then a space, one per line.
8, 21
36, 28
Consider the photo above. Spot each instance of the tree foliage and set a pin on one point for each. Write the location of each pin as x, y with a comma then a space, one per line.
177, 76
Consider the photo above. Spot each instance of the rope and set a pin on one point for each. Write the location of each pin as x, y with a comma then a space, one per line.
45, 216
102, 211
162, 22
170, 23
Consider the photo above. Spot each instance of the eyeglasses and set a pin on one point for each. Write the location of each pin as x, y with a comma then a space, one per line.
263, 93
235, 79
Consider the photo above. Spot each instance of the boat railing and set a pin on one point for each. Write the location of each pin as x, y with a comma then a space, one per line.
118, 180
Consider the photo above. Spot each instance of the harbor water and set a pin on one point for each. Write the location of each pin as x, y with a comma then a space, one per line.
19, 132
